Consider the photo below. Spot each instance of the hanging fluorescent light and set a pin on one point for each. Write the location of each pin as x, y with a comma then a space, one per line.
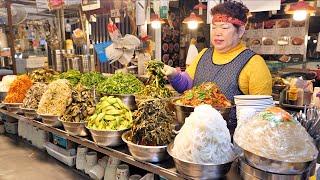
156, 21
192, 21
300, 10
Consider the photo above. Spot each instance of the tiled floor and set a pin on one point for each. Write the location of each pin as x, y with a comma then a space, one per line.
21, 161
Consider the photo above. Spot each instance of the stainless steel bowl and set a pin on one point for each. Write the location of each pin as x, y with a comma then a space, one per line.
275, 166
75, 128
200, 171
152, 154
183, 111
13, 107
51, 120
107, 138
3, 96
248, 172
127, 99
29, 113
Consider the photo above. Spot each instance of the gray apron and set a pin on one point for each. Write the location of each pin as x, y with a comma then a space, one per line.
226, 76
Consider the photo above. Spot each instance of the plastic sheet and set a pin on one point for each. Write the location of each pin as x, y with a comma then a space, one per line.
101, 50
275, 135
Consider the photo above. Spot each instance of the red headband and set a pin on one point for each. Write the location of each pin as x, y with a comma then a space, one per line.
228, 19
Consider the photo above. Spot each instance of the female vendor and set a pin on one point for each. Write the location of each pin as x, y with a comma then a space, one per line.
233, 67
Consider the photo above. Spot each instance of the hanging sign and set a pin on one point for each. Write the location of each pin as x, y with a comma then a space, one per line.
89, 5
55, 4
140, 12
257, 6
115, 13
164, 8
42, 4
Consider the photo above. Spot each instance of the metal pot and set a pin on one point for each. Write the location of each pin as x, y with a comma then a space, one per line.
152, 154
275, 166
13, 107
183, 111
75, 128
249, 172
200, 171
3, 96
107, 137
51, 120
29, 113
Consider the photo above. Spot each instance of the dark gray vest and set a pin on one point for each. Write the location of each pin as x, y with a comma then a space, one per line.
226, 76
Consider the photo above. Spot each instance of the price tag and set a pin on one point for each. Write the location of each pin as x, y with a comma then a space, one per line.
269, 33
117, 20
268, 49
115, 13
282, 32
297, 31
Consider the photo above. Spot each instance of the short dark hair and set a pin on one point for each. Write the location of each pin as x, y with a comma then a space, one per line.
233, 9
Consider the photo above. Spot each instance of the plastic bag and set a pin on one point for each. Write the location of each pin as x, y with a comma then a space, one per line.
100, 50
113, 54
113, 30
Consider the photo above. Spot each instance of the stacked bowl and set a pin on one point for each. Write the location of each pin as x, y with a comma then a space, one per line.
248, 105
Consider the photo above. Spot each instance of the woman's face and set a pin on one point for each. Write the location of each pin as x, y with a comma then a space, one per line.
225, 36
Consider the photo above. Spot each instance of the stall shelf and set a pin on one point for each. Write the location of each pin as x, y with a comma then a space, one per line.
165, 169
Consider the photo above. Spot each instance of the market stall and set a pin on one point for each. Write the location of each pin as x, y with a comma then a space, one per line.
102, 106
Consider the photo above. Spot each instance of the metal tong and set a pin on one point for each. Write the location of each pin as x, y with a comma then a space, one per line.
310, 120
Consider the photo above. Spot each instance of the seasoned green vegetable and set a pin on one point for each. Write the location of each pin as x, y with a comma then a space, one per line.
152, 125
73, 76
156, 83
110, 114
91, 79
120, 83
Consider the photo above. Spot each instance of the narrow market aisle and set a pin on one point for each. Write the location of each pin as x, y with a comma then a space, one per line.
21, 161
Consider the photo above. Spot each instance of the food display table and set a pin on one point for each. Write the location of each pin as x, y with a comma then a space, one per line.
165, 169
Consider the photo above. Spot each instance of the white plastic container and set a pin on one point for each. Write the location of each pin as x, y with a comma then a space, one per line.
96, 172
11, 128
81, 157
91, 160
68, 160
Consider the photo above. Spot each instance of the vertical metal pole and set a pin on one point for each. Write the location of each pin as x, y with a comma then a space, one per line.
58, 23
304, 64
63, 34
11, 36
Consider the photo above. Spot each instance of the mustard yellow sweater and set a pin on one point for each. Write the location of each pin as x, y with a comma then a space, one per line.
255, 77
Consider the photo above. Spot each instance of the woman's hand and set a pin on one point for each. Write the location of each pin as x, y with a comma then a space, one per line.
169, 71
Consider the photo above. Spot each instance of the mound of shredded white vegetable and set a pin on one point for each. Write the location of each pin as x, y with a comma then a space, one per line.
204, 138
6, 82
56, 98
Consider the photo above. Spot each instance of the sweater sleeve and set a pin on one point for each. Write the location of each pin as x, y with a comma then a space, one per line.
255, 78
181, 82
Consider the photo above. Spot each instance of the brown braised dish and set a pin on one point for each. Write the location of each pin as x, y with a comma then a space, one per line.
284, 23
255, 42
267, 42
298, 23
269, 24
297, 41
